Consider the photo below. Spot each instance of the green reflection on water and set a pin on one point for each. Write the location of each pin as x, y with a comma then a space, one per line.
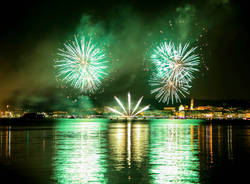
79, 152
173, 158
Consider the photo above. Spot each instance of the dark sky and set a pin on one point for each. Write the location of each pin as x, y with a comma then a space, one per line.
31, 34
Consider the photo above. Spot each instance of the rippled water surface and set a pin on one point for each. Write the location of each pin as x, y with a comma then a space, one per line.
103, 151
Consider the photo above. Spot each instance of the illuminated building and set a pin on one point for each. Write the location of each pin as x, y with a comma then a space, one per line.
202, 108
192, 104
181, 114
218, 114
169, 109
181, 108
60, 114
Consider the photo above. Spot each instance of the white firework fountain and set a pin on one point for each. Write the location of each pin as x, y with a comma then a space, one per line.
128, 112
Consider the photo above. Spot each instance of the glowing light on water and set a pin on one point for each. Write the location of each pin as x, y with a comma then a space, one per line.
79, 156
171, 155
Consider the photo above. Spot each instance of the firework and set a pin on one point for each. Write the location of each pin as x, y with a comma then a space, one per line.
129, 112
82, 64
174, 71
168, 90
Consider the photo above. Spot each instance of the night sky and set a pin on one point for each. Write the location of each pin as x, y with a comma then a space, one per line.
31, 34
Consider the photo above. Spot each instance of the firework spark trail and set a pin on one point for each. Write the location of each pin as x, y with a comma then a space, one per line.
128, 113
137, 105
129, 102
174, 71
121, 105
143, 109
168, 90
82, 64
116, 111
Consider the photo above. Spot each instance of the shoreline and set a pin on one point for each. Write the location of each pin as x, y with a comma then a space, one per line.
21, 121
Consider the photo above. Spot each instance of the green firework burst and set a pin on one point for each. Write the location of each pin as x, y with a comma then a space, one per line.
82, 64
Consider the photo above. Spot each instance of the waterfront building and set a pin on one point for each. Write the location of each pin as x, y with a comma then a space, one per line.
192, 104
171, 109
181, 108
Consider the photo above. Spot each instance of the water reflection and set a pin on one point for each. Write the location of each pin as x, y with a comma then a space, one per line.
5, 133
229, 142
173, 158
128, 142
160, 151
128, 151
80, 154
117, 144
209, 142
140, 142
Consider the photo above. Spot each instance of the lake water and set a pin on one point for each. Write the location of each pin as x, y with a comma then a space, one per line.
104, 151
